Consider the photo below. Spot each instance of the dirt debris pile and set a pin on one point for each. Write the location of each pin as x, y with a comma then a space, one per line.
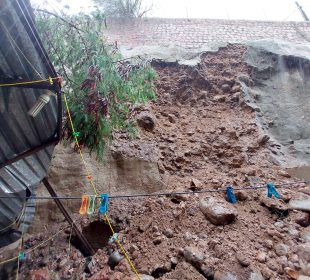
206, 137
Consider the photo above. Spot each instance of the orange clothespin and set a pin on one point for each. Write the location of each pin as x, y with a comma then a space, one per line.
84, 205
89, 177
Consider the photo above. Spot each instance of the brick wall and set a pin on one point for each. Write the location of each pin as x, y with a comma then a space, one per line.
196, 32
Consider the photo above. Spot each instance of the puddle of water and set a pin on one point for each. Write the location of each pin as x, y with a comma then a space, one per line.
302, 172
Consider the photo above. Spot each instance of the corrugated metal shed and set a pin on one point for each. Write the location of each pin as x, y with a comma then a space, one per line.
26, 143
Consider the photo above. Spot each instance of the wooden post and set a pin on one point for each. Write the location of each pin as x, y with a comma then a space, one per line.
87, 247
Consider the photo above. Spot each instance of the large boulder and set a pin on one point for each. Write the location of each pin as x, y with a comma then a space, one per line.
218, 211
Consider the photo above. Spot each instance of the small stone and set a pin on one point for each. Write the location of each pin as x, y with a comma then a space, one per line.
219, 98
194, 256
291, 273
174, 261
301, 218
219, 275
168, 233
225, 87
263, 140
256, 275
284, 174
242, 259
146, 277
114, 259
268, 243
218, 212
195, 184
281, 249
261, 257
146, 120
158, 240
241, 195
303, 251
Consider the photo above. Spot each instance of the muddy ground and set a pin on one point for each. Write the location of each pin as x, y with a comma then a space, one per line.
207, 138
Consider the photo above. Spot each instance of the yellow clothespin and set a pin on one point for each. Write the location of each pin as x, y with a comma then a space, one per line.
50, 80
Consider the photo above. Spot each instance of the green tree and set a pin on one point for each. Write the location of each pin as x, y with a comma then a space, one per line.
102, 88
123, 8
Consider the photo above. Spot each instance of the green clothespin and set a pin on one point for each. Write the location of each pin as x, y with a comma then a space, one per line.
76, 134
91, 204
22, 256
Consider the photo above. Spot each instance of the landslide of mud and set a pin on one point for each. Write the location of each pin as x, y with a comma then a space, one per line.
207, 137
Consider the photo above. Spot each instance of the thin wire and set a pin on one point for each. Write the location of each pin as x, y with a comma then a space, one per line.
159, 194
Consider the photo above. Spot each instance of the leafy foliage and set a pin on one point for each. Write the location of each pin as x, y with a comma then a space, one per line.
102, 89
123, 8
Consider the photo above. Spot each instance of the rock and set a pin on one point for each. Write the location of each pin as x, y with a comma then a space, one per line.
281, 249
193, 256
218, 211
274, 205
256, 275
291, 273
303, 251
158, 240
40, 274
263, 140
195, 184
168, 233
303, 205
261, 257
225, 87
219, 98
305, 235
244, 78
301, 218
171, 118
218, 275
242, 259
241, 195
146, 120
284, 174
303, 277
268, 243
114, 259
146, 277
236, 88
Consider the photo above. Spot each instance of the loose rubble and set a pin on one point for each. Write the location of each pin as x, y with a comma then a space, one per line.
206, 137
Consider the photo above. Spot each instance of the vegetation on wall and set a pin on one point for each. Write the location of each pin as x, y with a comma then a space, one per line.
123, 8
102, 89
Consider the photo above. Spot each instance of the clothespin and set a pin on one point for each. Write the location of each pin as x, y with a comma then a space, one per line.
91, 204
272, 191
22, 256
89, 177
50, 80
104, 204
113, 238
230, 195
76, 134
84, 204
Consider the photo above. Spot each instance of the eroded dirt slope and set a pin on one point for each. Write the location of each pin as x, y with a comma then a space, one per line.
207, 138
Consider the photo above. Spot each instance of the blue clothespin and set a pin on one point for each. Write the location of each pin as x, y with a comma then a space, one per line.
271, 191
230, 195
22, 256
104, 204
